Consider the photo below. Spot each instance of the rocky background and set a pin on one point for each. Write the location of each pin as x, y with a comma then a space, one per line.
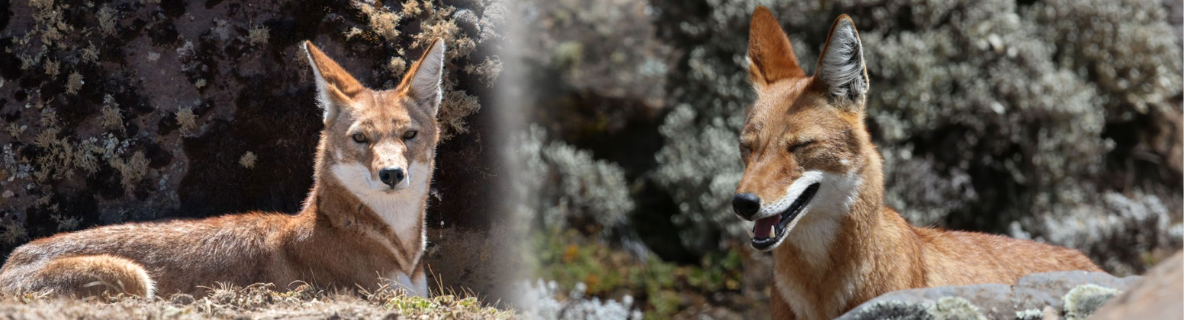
118, 111
1053, 120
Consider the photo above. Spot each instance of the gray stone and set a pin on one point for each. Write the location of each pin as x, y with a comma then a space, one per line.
1037, 290
994, 301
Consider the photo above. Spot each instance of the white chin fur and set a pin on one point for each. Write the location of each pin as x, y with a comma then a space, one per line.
791, 194
833, 199
399, 209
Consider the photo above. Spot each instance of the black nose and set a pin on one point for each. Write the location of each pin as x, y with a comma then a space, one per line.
746, 204
391, 176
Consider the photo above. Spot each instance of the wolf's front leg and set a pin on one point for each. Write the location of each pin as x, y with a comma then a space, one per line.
415, 284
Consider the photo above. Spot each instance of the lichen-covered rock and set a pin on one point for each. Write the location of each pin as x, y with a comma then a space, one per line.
1030, 314
945, 308
1070, 293
955, 308
922, 303
893, 310
1049, 289
1082, 301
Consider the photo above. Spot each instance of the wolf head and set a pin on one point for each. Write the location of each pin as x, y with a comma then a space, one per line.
379, 142
804, 144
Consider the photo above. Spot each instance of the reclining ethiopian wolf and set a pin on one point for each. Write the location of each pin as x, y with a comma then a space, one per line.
362, 223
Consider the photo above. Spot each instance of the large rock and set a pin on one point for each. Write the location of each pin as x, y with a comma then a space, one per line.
1160, 295
1037, 295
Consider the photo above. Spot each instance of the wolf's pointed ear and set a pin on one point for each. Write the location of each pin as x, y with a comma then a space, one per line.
422, 83
770, 54
841, 69
335, 87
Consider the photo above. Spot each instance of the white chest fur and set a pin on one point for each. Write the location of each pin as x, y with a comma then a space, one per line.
814, 237
402, 210
414, 286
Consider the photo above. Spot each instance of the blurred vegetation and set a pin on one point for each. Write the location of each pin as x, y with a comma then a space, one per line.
659, 287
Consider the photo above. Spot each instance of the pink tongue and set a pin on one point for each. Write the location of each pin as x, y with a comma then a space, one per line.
764, 227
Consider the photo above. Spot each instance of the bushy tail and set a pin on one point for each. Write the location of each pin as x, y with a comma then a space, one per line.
88, 275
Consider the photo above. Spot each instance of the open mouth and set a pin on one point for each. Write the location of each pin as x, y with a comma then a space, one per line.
770, 231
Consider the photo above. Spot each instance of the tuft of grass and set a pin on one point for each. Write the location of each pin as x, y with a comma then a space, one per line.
1082, 301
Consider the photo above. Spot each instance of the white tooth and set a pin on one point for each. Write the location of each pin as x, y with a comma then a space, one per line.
772, 230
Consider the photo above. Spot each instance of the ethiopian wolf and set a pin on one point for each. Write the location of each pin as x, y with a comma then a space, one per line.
363, 220
814, 184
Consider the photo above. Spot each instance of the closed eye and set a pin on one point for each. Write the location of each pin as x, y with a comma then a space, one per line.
744, 151
801, 145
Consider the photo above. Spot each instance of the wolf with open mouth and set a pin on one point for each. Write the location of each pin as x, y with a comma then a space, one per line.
814, 186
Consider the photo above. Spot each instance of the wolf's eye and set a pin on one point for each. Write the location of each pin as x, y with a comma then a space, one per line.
798, 147
359, 138
410, 134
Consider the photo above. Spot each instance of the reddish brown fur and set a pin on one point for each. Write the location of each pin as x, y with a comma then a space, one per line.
872, 250
769, 42
335, 241
93, 275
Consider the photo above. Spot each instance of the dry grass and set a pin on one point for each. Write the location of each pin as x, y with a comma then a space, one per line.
259, 301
